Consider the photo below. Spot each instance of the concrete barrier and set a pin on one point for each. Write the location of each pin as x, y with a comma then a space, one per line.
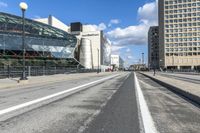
177, 90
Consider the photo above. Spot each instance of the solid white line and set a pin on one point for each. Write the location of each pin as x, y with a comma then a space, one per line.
147, 120
10, 109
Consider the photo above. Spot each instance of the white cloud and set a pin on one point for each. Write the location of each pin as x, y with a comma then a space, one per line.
128, 50
131, 35
3, 4
148, 13
136, 34
37, 17
99, 27
113, 21
130, 57
102, 26
116, 49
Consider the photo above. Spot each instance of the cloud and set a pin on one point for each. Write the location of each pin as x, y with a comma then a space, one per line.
132, 35
113, 21
148, 13
128, 50
128, 54
3, 4
101, 26
130, 57
136, 34
37, 17
116, 49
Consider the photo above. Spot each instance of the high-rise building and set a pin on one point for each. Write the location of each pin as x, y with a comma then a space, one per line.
179, 34
153, 47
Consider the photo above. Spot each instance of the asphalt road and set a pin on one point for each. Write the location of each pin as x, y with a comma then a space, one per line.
171, 113
120, 115
107, 106
69, 114
10, 97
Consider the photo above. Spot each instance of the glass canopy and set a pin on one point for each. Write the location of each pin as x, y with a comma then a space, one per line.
42, 41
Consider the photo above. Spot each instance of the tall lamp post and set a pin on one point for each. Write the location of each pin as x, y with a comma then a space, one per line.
23, 7
142, 58
98, 59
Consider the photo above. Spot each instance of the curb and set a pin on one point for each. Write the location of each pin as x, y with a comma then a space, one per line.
179, 91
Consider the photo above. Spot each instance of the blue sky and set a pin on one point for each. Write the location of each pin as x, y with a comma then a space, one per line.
125, 22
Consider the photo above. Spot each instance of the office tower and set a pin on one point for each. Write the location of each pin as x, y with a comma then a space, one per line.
179, 34
153, 47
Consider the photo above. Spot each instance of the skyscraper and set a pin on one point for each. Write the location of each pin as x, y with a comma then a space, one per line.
179, 32
153, 47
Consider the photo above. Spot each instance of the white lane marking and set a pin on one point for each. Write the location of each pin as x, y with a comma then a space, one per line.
10, 109
97, 112
147, 120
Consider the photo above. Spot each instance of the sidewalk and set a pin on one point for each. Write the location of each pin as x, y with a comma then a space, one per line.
42, 80
184, 88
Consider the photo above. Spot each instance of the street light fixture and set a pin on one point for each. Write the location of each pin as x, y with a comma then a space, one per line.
98, 60
23, 7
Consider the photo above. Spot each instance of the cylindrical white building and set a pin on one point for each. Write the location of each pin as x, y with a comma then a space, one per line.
86, 53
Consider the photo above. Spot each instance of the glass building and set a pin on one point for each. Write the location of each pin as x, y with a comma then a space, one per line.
45, 45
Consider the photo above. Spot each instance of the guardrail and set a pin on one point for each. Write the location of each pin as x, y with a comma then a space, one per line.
13, 72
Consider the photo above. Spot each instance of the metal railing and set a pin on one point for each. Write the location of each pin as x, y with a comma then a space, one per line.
13, 72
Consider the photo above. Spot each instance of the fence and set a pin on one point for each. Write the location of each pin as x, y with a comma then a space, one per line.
13, 72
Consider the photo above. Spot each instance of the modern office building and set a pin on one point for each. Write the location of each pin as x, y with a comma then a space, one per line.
179, 32
117, 62
53, 21
100, 45
153, 47
45, 45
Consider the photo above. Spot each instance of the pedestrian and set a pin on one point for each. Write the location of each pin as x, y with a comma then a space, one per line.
154, 72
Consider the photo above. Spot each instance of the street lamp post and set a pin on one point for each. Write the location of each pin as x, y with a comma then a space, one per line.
161, 61
142, 58
154, 68
23, 7
98, 59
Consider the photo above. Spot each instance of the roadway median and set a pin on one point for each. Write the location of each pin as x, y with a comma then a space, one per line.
185, 89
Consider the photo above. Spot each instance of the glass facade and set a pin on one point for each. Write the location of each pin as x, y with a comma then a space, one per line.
105, 52
43, 42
